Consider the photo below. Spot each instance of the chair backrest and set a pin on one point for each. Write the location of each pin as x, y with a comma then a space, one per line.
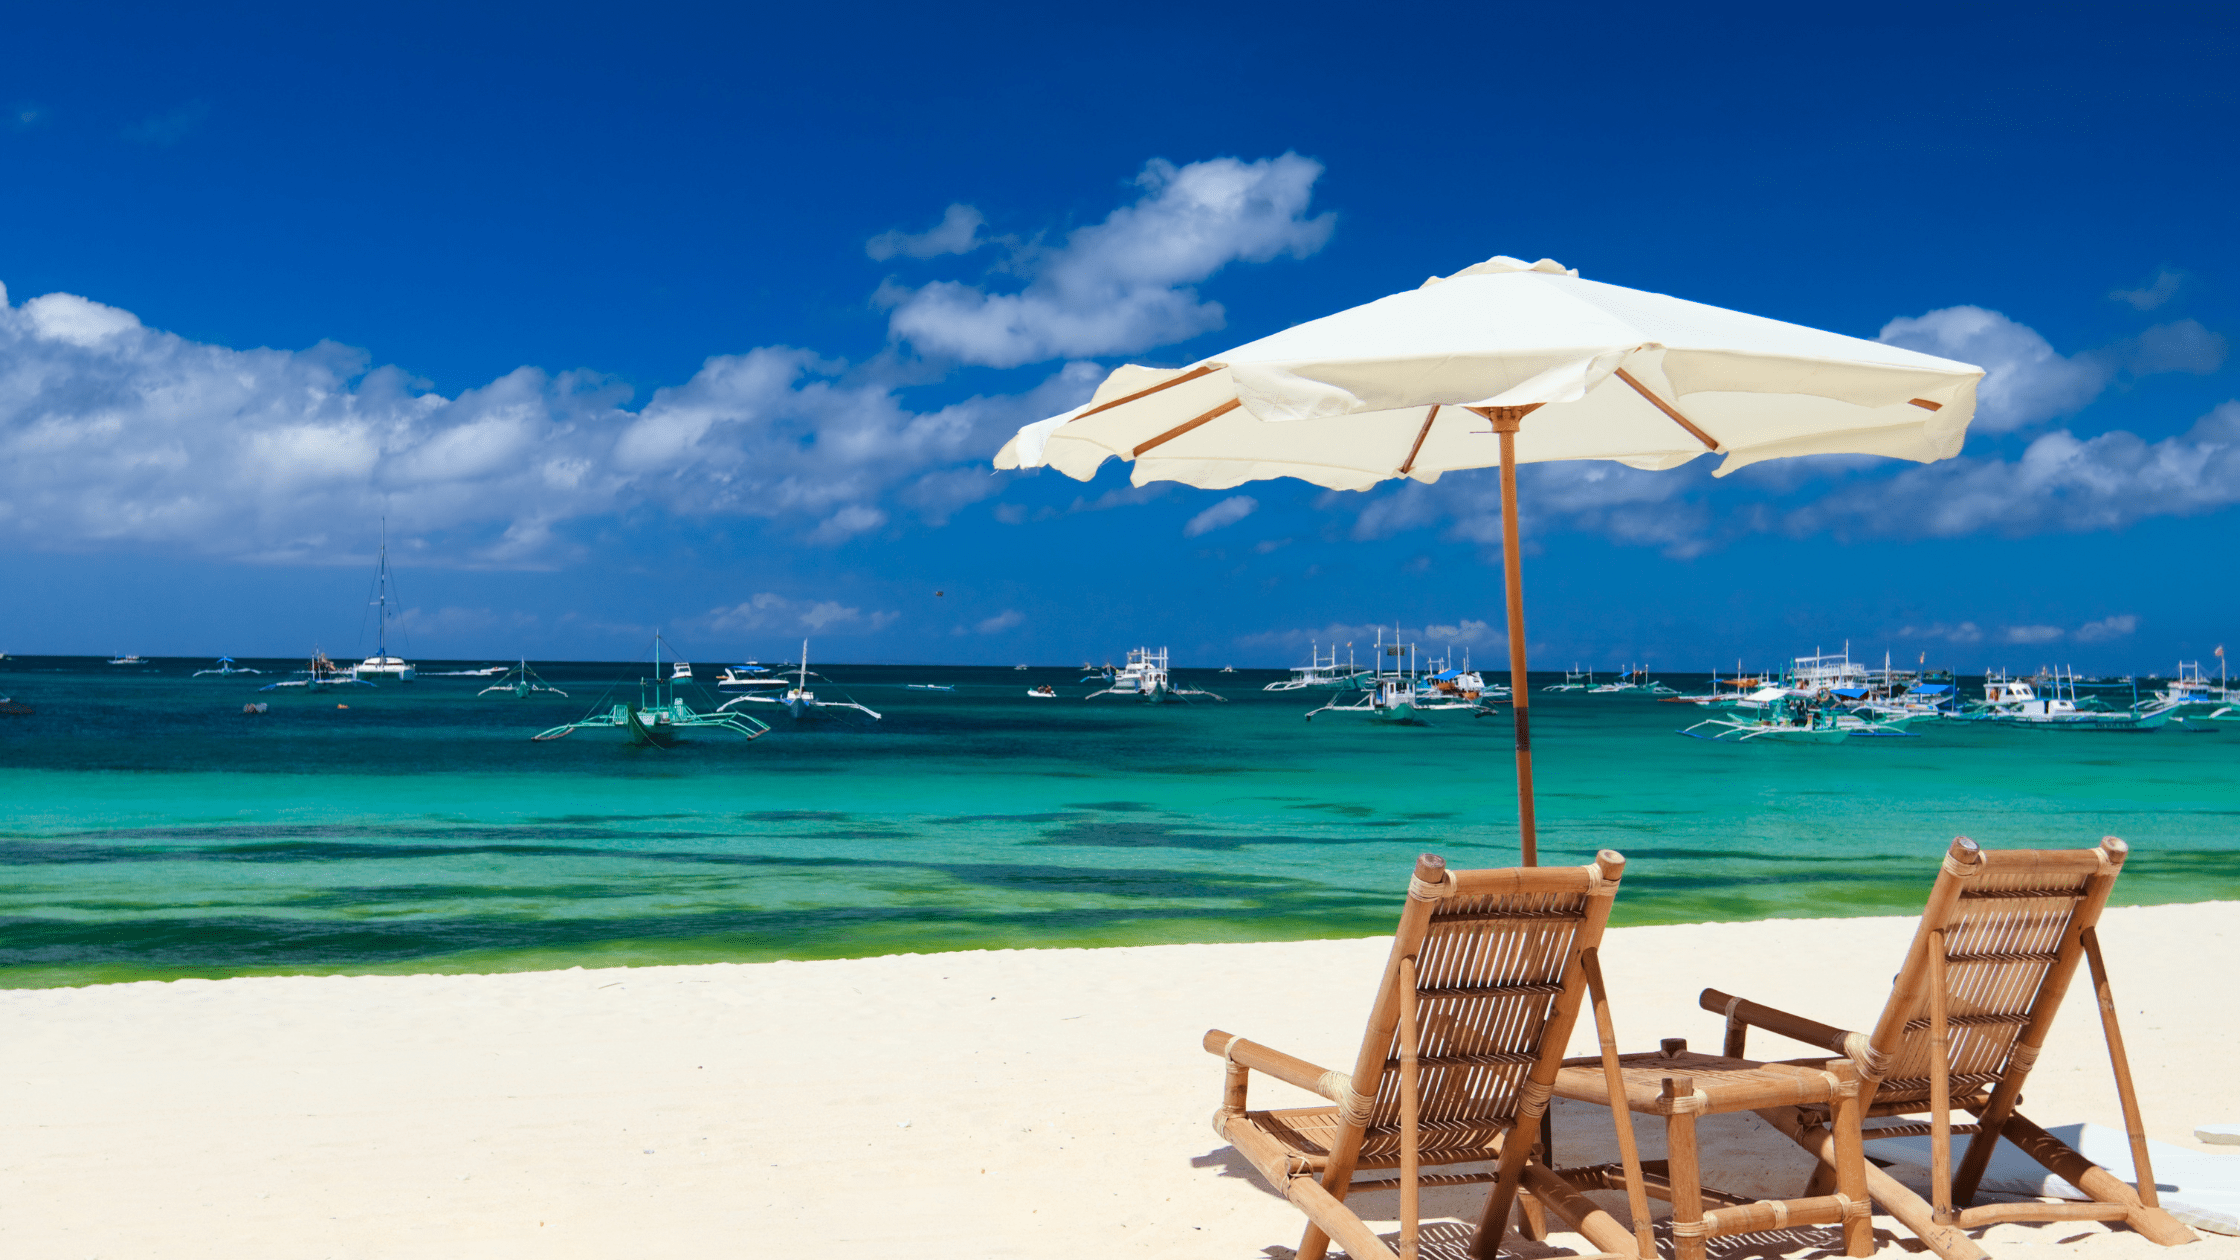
2012, 922
1498, 985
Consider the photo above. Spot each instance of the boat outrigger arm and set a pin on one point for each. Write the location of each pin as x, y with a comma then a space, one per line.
797, 699
520, 681
657, 719
654, 724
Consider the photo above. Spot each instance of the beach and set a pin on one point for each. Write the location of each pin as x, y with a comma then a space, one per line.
1002, 1103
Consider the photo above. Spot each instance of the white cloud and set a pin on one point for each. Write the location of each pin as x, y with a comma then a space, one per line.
1124, 284
112, 432
2026, 382
1362, 639
2154, 293
2184, 346
1227, 512
2119, 626
2030, 634
1463, 631
2061, 483
957, 233
1965, 632
1001, 622
768, 613
1626, 504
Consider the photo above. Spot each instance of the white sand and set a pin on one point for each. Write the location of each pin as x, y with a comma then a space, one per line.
1036, 1103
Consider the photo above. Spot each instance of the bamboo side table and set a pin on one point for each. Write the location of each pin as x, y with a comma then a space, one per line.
1680, 1085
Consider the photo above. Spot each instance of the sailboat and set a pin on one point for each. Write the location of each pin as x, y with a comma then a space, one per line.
381, 664
799, 701
658, 716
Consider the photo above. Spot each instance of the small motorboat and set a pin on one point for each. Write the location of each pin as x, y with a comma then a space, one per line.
1043, 692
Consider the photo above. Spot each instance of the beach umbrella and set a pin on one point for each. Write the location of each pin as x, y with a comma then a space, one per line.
1503, 363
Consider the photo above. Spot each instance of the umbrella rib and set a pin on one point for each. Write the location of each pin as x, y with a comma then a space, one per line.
1187, 425
1170, 383
1661, 405
1409, 464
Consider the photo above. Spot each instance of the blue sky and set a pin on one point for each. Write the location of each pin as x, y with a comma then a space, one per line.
709, 319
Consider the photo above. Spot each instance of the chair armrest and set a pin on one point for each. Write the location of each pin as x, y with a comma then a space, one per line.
1307, 1076
1742, 1014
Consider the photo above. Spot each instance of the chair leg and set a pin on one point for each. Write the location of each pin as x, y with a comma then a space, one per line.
1911, 1209
2057, 1157
1845, 1114
1685, 1177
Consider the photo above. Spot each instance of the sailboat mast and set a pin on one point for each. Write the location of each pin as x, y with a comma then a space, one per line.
381, 585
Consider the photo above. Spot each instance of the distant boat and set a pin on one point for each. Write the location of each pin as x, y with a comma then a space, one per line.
928, 687
799, 701
680, 672
487, 671
1146, 677
2015, 702
751, 674
1573, 680
1043, 692
1018, 667
381, 664
659, 716
1318, 672
9, 708
1387, 695
521, 682
225, 666
320, 672
129, 660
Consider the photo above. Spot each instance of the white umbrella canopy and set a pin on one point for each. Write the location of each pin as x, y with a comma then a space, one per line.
1616, 368
1398, 387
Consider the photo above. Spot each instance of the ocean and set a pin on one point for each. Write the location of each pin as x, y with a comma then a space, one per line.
152, 830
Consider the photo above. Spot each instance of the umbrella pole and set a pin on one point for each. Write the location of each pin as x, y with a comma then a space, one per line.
1505, 423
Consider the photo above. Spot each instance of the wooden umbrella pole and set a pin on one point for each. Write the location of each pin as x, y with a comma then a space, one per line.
1505, 422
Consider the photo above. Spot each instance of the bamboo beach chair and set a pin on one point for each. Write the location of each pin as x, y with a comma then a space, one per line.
1466, 1033
1998, 942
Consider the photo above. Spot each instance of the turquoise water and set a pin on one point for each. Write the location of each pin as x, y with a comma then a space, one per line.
152, 830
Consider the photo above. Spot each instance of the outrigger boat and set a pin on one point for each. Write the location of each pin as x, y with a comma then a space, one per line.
1790, 716
1635, 678
226, 667
1394, 696
487, 671
1320, 673
1145, 677
658, 716
521, 682
321, 672
799, 701
2016, 702
129, 659
751, 674
1572, 681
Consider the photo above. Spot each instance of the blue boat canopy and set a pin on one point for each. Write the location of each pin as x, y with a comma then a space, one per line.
1934, 689
1848, 692
1442, 677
